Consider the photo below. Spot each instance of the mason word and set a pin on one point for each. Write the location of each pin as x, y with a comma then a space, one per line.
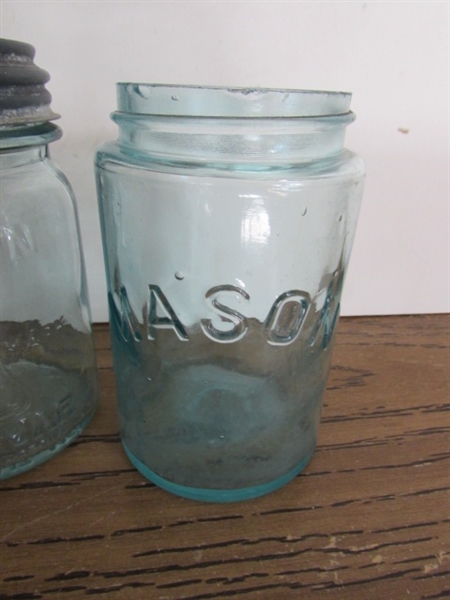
283, 324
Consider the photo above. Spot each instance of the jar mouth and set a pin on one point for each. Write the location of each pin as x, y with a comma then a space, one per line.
230, 102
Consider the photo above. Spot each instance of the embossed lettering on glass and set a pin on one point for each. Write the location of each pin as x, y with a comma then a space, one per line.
228, 217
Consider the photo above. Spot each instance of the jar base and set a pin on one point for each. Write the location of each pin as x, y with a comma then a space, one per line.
216, 495
45, 455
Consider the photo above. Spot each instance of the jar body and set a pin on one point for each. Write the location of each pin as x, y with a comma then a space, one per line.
48, 373
224, 288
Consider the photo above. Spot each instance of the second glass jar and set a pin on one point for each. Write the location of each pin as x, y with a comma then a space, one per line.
48, 377
228, 217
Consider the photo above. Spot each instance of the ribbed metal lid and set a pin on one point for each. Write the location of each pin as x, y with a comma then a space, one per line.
23, 96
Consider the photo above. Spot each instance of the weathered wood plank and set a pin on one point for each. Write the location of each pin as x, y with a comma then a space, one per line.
369, 517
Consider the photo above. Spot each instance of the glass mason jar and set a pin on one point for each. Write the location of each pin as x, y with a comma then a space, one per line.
48, 382
228, 217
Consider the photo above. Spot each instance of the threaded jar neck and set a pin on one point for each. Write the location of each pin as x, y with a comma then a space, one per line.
16, 137
247, 127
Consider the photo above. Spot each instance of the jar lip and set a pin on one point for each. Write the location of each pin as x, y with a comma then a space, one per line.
228, 102
30, 134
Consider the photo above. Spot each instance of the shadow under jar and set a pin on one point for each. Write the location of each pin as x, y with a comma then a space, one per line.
228, 217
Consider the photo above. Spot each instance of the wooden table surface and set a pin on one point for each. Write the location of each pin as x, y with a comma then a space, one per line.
367, 519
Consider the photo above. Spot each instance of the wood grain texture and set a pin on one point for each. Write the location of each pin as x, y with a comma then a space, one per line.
368, 519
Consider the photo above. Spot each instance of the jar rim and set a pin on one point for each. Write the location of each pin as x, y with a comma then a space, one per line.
30, 134
229, 102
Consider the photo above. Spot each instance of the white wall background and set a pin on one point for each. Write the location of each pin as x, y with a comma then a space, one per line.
393, 56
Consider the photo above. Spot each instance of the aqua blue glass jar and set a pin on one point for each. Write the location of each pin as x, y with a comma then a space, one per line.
228, 217
48, 381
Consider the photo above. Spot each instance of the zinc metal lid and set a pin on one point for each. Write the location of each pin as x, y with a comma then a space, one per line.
24, 98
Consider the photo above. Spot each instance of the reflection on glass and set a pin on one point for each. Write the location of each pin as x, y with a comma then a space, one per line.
255, 226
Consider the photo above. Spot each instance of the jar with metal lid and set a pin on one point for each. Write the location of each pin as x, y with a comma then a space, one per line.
228, 217
48, 381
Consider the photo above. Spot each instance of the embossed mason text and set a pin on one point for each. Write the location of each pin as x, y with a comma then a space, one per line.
284, 321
